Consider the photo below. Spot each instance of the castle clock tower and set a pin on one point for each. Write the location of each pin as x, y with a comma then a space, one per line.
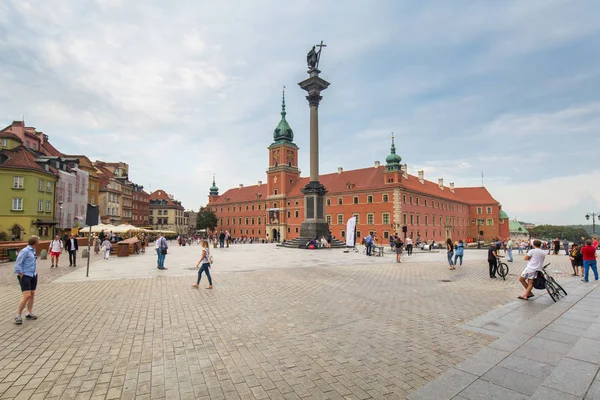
283, 173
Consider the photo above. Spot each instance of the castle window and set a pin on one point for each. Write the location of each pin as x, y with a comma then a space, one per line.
426, 220
340, 201
252, 207
385, 218
343, 233
386, 235
275, 191
252, 222
227, 221
289, 214
370, 219
418, 201
418, 219
384, 198
296, 202
412, 219
369, 199
274, 205
357, 234
328, 218
404, 198
246, 220
328, 202
296, 229
488, 210
340, 219
355, 200
296, 213
259, 221
490, 222
404, 219
357, 217
411, 200
425, 202
239, 220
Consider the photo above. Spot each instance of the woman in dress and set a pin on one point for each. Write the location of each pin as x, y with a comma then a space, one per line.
204, 265
450, 251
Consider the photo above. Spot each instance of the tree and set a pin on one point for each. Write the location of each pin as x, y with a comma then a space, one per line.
557, 231
206, 219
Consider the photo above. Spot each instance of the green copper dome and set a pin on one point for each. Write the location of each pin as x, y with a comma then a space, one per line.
214, 190
393, 160
283, 132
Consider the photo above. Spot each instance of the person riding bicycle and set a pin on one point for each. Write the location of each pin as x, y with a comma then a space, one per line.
535, 263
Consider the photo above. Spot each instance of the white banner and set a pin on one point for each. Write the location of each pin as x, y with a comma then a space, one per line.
351, 232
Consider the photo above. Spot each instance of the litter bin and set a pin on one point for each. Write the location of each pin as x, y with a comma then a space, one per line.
12, 253
123, 249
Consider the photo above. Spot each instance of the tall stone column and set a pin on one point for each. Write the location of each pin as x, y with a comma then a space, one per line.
314, 215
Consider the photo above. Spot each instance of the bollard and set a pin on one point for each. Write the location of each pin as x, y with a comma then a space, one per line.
44, 254
84, 253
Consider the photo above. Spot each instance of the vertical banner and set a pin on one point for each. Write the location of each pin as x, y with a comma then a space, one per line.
274, 216
351, 232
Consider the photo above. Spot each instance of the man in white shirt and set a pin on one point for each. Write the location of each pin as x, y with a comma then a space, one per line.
535, 263
55, 249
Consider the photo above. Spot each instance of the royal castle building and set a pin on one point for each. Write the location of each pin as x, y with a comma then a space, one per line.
383, 198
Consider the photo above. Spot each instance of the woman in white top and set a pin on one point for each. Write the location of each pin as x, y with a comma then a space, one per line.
107, 246
205, 267
55, 249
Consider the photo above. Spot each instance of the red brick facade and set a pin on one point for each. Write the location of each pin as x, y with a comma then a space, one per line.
384, 201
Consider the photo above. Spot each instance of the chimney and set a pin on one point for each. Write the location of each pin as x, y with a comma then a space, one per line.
404, 169
259, 183
452, 187
422, 177
441, 183
340, 170
241, 185
377, 164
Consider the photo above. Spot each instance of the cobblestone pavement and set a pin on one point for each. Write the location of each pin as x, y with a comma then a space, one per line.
359, 331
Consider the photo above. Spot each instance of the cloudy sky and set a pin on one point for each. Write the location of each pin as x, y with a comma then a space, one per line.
183, 89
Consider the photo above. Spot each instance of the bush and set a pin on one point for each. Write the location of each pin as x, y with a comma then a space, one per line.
3, 236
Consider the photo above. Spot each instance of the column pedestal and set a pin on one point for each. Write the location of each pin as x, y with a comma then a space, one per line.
314, 224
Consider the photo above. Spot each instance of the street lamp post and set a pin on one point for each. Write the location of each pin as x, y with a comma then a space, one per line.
478, 231
593, 216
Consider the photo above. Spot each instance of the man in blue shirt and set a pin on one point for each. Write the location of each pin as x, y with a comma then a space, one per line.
26, 271
369, 243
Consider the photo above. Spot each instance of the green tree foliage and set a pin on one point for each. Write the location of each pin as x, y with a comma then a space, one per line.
206, 219
558, 231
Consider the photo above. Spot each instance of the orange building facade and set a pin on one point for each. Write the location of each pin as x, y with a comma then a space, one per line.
384, 198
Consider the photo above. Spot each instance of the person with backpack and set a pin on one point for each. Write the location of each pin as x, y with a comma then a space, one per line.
576, 259
535, 264
204, 265
460, 251
398, 245
161, 251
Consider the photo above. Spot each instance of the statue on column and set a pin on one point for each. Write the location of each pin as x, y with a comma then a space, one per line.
313, 57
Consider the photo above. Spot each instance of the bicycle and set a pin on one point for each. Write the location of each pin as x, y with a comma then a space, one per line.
552, 287
502, 269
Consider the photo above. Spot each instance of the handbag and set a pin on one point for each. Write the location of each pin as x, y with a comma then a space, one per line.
210, 259
163, 251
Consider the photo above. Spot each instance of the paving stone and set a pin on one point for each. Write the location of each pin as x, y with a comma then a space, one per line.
483, 361
446, 386
482, 390
572, 376
545, 393
512, 380
586, 350
543, 350
527, 366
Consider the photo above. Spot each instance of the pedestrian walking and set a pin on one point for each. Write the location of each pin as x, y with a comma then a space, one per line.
106, 248
493, 259
535, 264
72, 246
329, 240
460, 251
204, 265
161, 251
566, 246
369, 244
450, 252
589, 260
398, 246
97, 243
409, 246
509, 249
56, 249
576, 259
26, 271
221, 239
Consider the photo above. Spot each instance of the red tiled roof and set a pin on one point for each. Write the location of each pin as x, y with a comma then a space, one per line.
50, 150
21, 158
162, 195
370, 178
475, 195
243, 194
10, 135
